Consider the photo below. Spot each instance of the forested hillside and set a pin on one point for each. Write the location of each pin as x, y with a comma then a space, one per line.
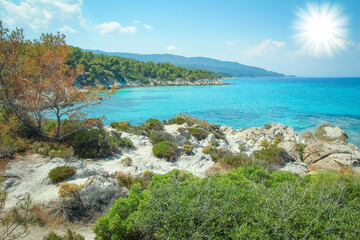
100, 67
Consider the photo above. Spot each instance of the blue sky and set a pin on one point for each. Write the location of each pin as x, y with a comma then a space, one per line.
253, 32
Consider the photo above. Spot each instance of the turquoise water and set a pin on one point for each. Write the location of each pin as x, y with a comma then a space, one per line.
302, 103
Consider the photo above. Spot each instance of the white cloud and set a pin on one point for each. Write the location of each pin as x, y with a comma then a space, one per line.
136, 21
114, 28
171, 48
229, 43
67, 29
147, 26
39, 14
265, 47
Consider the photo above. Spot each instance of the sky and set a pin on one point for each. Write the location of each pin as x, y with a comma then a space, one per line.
294, 37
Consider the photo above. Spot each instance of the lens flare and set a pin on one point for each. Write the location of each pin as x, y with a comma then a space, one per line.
321, 29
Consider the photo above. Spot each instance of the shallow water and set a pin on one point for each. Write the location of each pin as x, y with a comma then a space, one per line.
302, 103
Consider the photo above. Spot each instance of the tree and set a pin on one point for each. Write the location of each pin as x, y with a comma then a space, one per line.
37, 84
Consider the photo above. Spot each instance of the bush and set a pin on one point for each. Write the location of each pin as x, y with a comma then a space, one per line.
267, 126
65, 153
124, 180
123, 126
198, 133
300, 147
93, 143
209, 149
127, 162
67, 189
186, 118
165, 149
247, 203
177, 120
242, 148
265, 144
125, 143
277, 141
188, 148
271, 158
236, 161
153, 124
160, 136
220, 154
61, 173
70, 235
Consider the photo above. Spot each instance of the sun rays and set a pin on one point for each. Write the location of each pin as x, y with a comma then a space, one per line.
321, 29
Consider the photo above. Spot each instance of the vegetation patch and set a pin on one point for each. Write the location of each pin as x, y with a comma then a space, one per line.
61, 173
165, 149
188, 148
68, 189
93, 143
127, 162
160, 136
154, 124
246, 203
198, 133
123, 126
70, 235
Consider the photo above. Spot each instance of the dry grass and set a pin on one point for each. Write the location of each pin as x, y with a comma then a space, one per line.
219, 168
4, 164
43, 217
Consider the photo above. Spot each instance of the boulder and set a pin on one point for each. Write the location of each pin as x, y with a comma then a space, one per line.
296, 168
329, 133
290, 148
324, 155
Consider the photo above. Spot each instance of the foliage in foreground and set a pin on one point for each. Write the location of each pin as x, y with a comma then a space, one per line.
247, 203
70, 235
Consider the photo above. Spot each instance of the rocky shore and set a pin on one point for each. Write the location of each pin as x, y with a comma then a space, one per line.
28, 174
126, 83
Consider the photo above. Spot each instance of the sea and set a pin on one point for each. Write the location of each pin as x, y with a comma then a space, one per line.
302, 103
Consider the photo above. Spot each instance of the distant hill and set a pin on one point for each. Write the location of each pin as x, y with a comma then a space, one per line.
233, 68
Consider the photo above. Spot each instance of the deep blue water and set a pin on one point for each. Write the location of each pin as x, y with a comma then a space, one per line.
302, 103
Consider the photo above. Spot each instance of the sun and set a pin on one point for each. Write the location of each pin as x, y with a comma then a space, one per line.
321, 29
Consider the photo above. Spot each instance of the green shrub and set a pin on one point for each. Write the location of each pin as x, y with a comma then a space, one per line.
165, 149
209, 149
153, 124
65, 153
241, 148
270, 158
123, 126
124, 180
267, 126
218, 135
70, 235
160, 136
188, 148
214, 143
177, 120
61, 173
220, 154
93, 143
300, 147
127, 162
265, 144
247, 203
198, 133
277, 141
125, 143
236, 161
